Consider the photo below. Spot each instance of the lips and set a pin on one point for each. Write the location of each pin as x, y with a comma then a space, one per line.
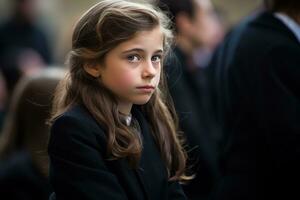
146, 87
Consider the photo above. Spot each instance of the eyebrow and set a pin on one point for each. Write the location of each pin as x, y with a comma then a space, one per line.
140, 50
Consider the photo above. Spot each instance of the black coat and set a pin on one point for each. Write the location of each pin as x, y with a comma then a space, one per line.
255, 90
186, 87
80, 169
20, 179
16, 35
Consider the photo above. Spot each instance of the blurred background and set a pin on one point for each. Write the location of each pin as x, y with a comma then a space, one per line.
57, 17
35, 37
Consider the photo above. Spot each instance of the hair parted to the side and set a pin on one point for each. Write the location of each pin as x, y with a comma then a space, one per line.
98, 31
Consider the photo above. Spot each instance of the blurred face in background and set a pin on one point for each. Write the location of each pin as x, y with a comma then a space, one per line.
205, 29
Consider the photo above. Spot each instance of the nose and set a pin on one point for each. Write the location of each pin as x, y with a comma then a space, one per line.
149, 70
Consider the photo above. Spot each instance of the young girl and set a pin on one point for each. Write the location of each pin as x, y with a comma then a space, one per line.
114, 134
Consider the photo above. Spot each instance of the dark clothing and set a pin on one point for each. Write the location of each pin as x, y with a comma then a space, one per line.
255, 90
21, 180
17, 38
80, 168
186, 83
16, 35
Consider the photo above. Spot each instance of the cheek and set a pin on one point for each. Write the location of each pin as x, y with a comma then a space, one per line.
157, 78
125, 80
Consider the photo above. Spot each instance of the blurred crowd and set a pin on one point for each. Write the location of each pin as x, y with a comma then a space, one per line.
237, 118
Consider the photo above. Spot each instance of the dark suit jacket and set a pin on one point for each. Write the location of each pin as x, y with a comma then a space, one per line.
80, 169
255, 90
186, 88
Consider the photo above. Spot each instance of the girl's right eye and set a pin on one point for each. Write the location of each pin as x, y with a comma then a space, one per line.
133, 58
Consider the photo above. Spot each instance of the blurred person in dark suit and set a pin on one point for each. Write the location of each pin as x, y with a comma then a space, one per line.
22, 42
22, 31
18, 63
196, 29
255, 92
23, 142
24, 46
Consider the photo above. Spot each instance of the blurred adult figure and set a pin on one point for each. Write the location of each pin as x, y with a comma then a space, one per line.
195, 24
255, 90
20, 30
24, 46
23, 143
17, 63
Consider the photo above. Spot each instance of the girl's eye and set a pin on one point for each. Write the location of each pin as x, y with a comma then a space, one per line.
156, 58
133, 58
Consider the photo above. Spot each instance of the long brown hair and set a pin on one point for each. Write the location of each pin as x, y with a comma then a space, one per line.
98, 31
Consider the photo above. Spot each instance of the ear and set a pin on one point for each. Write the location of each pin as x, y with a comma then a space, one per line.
93, 69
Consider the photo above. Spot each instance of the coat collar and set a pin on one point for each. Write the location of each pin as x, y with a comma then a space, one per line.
290, 23
269, 21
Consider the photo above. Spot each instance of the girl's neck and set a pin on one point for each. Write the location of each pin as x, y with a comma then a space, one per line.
125, 113
125, 108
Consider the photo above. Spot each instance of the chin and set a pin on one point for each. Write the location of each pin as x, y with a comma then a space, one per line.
141, 101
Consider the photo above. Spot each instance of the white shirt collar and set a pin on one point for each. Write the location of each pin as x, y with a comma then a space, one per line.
290, 23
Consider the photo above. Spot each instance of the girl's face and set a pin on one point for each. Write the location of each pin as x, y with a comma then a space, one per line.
132, 69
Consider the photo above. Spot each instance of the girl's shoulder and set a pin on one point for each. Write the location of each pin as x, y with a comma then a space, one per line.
78, 112
76, 126
78, 117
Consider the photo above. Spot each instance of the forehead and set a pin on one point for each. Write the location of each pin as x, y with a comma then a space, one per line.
151, 40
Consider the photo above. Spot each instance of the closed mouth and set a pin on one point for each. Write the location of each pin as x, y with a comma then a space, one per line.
146, 87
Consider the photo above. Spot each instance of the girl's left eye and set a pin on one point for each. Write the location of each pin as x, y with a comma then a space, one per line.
133, 58
156, 58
